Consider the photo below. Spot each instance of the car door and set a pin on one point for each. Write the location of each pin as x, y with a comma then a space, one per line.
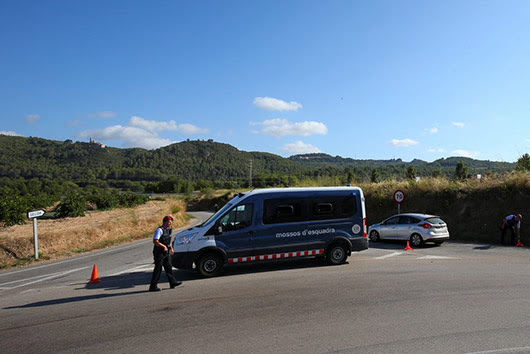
405, 226
236, 233
389, 228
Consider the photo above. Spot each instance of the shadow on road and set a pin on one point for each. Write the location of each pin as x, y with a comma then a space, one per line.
70, 299
142, 279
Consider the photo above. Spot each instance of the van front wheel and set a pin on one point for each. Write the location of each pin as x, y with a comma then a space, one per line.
210, 265
336, 254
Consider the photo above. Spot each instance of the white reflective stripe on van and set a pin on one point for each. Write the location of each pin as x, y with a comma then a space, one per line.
276, 256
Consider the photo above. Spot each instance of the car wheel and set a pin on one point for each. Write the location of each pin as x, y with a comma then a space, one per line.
416, 240
336, 254
374, 236
210, 265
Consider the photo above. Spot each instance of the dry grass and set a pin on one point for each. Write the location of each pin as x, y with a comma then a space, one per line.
97, 229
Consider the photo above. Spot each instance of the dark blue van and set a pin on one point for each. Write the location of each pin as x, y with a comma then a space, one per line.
266, 224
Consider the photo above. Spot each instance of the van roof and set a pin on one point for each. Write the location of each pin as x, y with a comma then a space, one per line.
300, 189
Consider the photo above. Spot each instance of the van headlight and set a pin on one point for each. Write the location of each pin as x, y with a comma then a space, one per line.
184, 240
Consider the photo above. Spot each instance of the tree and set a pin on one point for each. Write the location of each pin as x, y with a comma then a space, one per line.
523, 163
411, 172
375, 177
73, 205
461, 171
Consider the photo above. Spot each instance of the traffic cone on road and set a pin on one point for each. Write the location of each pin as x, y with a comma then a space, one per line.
94, 279
519, 244
408, 248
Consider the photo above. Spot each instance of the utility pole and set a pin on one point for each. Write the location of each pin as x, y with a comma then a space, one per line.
250, 174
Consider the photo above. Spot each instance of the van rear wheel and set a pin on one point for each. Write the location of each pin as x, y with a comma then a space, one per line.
210, 265
336, 254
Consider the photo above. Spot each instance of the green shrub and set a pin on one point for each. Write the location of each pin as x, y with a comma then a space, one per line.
71, 206
13, 209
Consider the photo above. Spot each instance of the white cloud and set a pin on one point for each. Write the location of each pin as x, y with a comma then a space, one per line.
282, 127
436, 150
152, 125
299, 147
191, 129
131, 136
103, 114
274, 104
458, 124
140, 132
9, 132
32, 118
465, 153
403, 142
433, 130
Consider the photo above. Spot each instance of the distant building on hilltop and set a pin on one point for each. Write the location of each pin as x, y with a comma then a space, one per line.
92, 141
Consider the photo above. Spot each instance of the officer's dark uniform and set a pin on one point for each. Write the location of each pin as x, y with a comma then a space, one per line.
162, 259
510, 225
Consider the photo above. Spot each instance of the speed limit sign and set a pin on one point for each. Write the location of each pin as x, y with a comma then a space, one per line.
399, 196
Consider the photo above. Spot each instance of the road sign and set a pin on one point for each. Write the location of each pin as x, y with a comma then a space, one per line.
399, 196
35, 214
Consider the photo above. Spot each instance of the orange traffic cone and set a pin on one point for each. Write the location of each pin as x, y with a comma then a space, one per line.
94, 279
408, 248
519, 244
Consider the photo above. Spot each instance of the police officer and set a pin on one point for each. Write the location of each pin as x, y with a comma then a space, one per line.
162, 252
511, 222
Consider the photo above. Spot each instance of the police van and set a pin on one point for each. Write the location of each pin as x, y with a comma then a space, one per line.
277, 223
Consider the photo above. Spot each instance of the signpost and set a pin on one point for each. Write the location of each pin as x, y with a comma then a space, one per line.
399, 197
34, 215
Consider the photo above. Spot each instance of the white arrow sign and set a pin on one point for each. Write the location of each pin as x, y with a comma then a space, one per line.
35, 214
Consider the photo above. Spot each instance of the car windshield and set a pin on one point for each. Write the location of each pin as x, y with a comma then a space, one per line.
435, 221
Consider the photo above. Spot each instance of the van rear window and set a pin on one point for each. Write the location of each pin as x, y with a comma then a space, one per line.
288, 210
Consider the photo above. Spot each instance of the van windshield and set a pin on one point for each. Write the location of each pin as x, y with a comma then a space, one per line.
219, 212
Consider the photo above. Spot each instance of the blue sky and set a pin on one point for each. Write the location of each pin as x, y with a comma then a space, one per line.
359, 79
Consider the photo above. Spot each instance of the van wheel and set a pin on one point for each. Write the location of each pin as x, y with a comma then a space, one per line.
210, 265
416, 240
374, 236
336, 254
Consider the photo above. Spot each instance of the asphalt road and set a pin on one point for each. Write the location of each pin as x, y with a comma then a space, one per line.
457, 298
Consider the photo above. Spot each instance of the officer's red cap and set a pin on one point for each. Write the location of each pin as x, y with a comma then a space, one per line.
166, 218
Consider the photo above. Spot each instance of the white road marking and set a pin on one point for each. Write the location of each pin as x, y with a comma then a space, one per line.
130, 270
505, 350
389, 255
436, 257
38, 279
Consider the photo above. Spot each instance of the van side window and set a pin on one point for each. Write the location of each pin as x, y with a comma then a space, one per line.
332, 207
276, 211
286, 210
239, 217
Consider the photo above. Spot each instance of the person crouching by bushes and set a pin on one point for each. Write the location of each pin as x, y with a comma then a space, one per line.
512, 223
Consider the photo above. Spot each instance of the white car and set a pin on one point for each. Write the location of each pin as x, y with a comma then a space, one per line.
416, 228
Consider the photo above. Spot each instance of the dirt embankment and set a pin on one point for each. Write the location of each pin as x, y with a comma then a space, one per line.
97, 229
473, 213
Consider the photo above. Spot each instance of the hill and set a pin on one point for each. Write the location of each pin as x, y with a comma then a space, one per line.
49, 161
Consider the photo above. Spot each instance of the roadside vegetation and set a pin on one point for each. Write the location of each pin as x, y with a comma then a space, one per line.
68, 236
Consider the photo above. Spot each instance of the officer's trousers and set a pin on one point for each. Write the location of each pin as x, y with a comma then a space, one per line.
512, 231
162, 259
